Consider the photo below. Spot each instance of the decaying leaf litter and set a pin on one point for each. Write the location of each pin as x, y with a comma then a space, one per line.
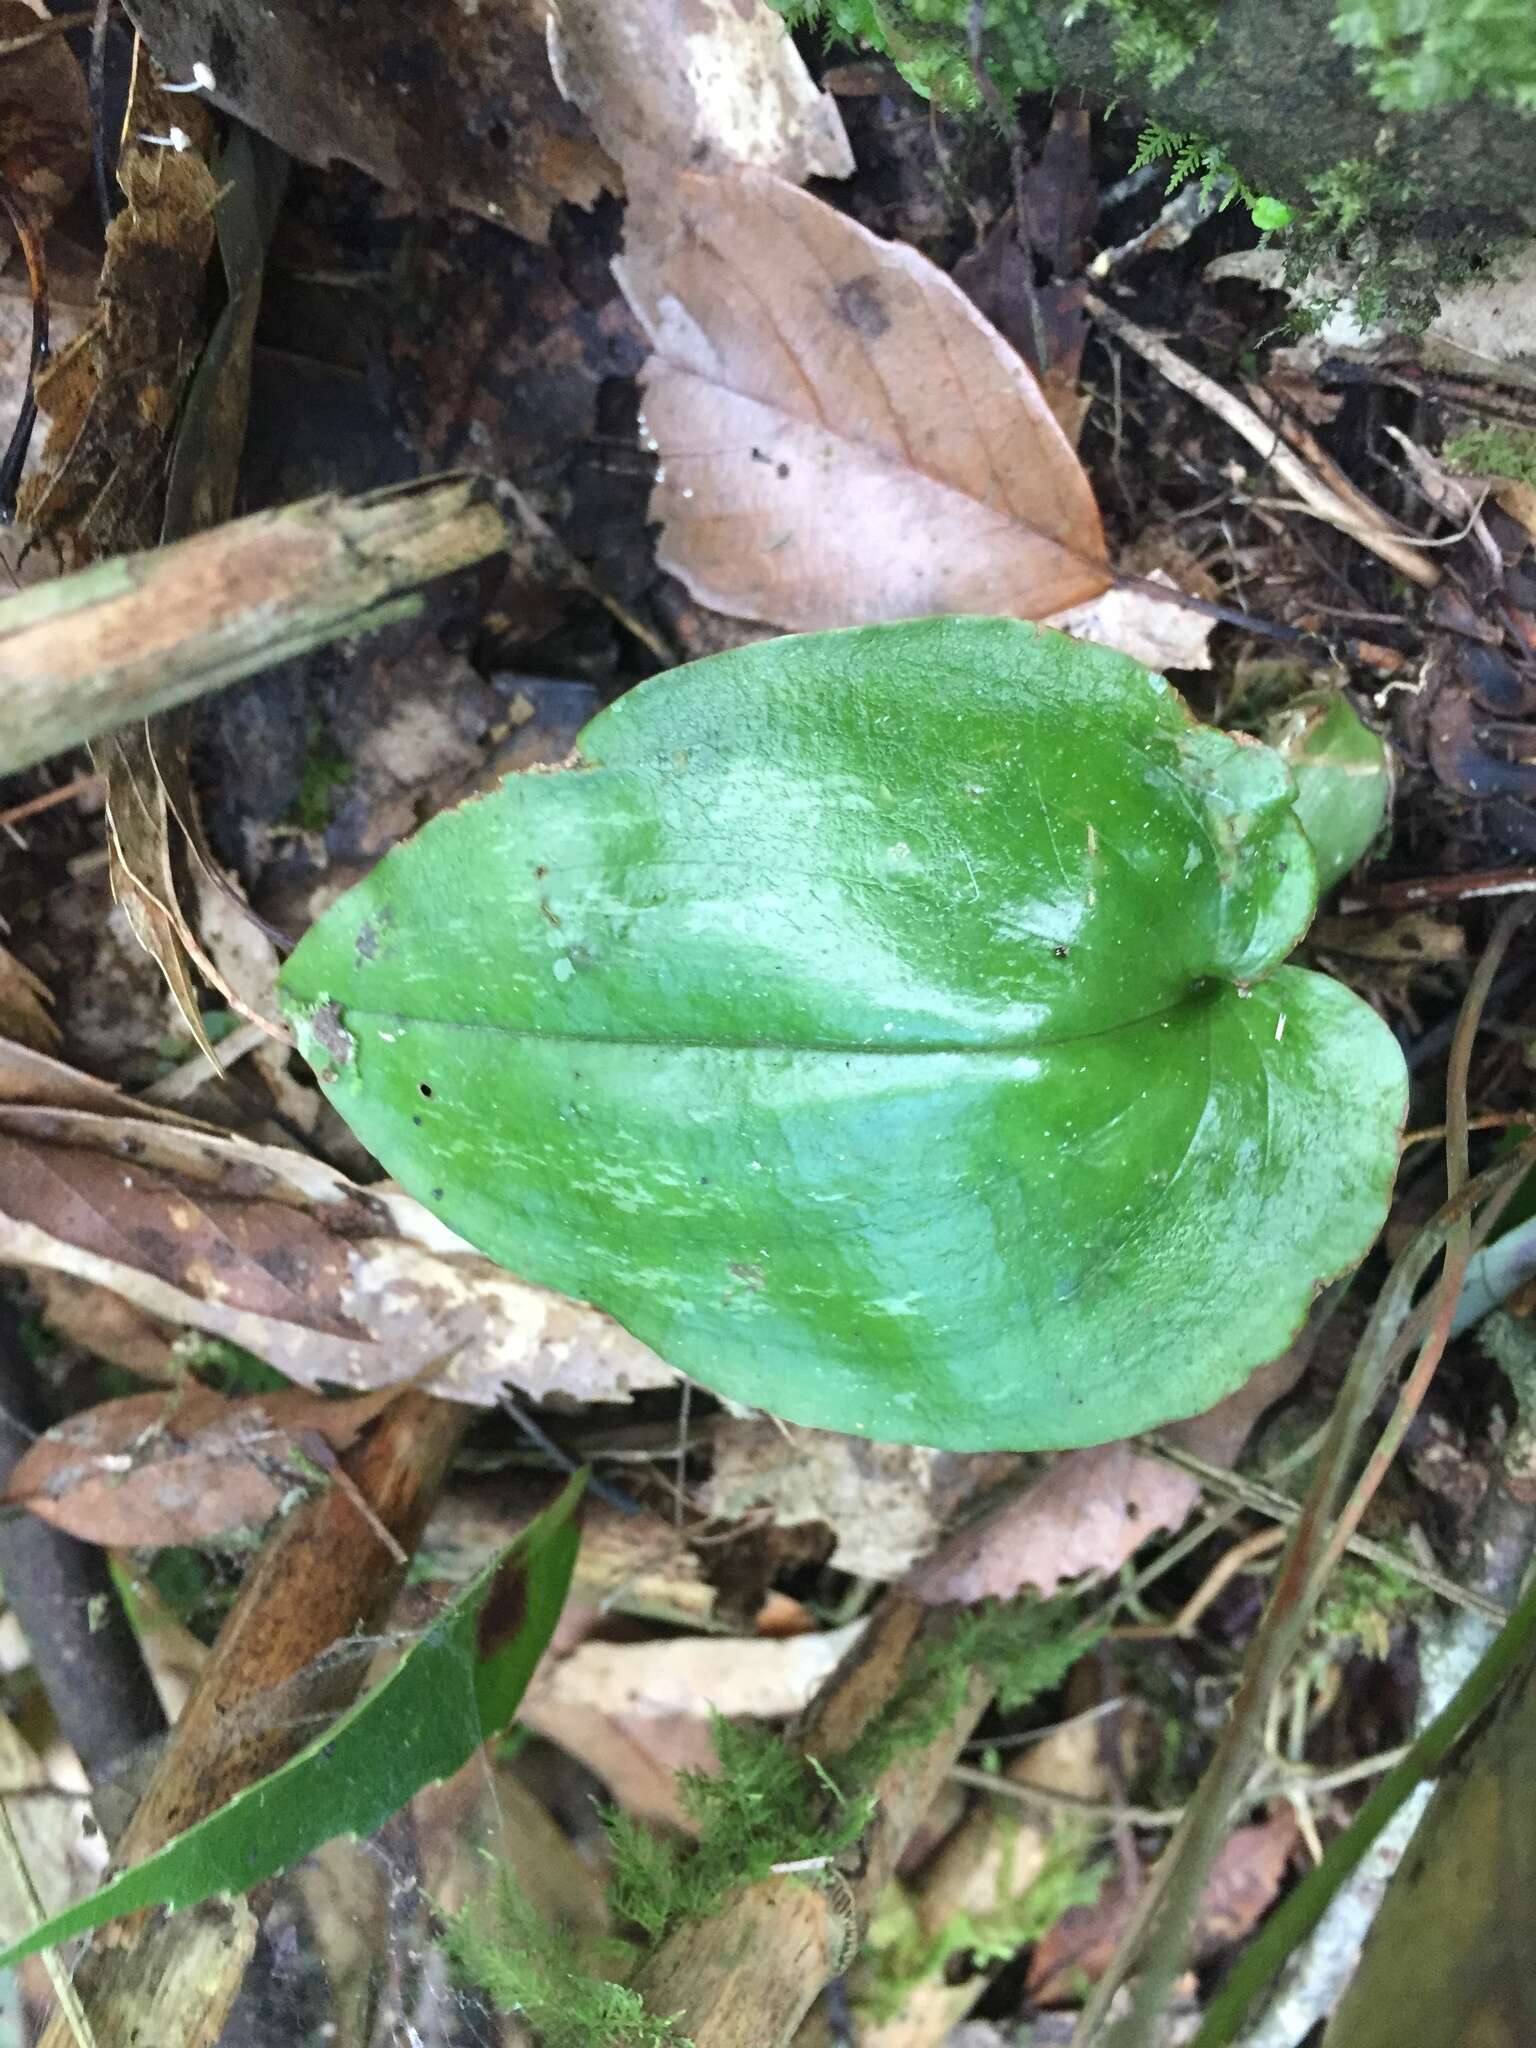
711, 401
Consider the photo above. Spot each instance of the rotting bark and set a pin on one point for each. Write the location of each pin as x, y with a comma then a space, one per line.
747, 1976
140, 633
61, 1591
325, 1574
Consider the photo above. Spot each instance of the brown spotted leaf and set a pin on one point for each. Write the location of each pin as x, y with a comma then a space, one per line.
183, 1466
1090, 1511
1241, 1887
842, 437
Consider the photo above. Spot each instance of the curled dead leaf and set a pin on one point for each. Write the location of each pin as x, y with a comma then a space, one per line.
702, 82
328, 1282
636, 1713
842, 437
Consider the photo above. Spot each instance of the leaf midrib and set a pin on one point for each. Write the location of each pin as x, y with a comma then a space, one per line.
1195, 998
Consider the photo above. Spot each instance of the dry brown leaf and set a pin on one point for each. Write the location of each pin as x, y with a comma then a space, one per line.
636, 1713
24, 1001
1092, 1510
448, 103
110, 398
1162, 633
700, 82
45, 117
185, 1466
105, 1325
886, 1503
843, 438
139, 841
632, 1563
1241, 1887
280, 1254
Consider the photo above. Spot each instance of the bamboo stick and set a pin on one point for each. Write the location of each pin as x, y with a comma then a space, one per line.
137, 634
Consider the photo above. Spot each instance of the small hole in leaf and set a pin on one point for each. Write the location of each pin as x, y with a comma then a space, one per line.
426, 1089
437, 1194
416, 1120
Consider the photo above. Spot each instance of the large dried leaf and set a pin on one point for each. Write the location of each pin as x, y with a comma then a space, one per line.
448, 103
1244, 1878
637, 1713
273, 1251
843, 438
186, 1466
701, 82
151, 806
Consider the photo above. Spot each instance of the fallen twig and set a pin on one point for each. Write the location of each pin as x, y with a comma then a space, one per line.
1322, 500
139, 633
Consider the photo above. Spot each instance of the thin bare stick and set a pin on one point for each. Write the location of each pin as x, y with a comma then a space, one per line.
1268, 1500
133, 635
1320, 499
1226, 1568
77, 786
1265, 1787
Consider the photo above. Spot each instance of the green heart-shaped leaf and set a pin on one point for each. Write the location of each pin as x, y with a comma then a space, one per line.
870, 1026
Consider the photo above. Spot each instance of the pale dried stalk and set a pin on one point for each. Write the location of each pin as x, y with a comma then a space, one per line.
1354, 515
1458, 1252
139, 633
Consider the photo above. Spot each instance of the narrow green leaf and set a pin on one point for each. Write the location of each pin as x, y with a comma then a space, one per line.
457, 1684
886, 1027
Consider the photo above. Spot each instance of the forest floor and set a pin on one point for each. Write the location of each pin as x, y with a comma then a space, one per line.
395, 326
